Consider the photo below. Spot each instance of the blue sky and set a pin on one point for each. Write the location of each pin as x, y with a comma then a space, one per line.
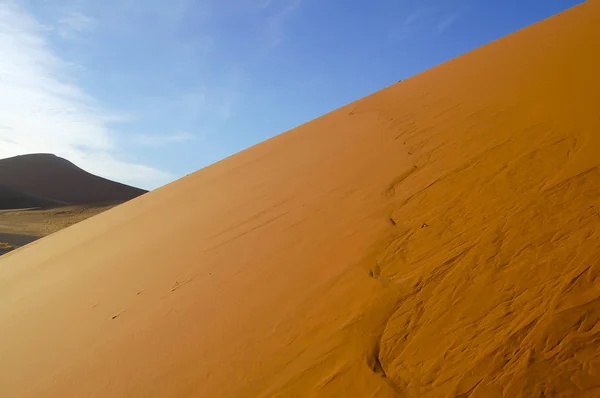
146, 91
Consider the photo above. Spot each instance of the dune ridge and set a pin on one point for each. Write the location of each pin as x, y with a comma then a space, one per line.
437, 238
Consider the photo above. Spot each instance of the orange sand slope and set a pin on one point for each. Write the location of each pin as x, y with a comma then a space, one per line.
440, 238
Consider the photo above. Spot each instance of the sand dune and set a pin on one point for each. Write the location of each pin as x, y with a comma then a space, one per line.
53, 178
439, 238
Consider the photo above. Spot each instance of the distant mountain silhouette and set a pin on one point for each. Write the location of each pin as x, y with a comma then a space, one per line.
46, 180
13, 199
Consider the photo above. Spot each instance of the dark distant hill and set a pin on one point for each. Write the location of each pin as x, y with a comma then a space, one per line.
45, 180
13, 199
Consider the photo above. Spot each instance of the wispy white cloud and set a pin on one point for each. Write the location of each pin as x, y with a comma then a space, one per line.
411, 18
446, 20
157, 140
428, 19
74, 23
279, 18
193, 103
230, 93
44, 110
